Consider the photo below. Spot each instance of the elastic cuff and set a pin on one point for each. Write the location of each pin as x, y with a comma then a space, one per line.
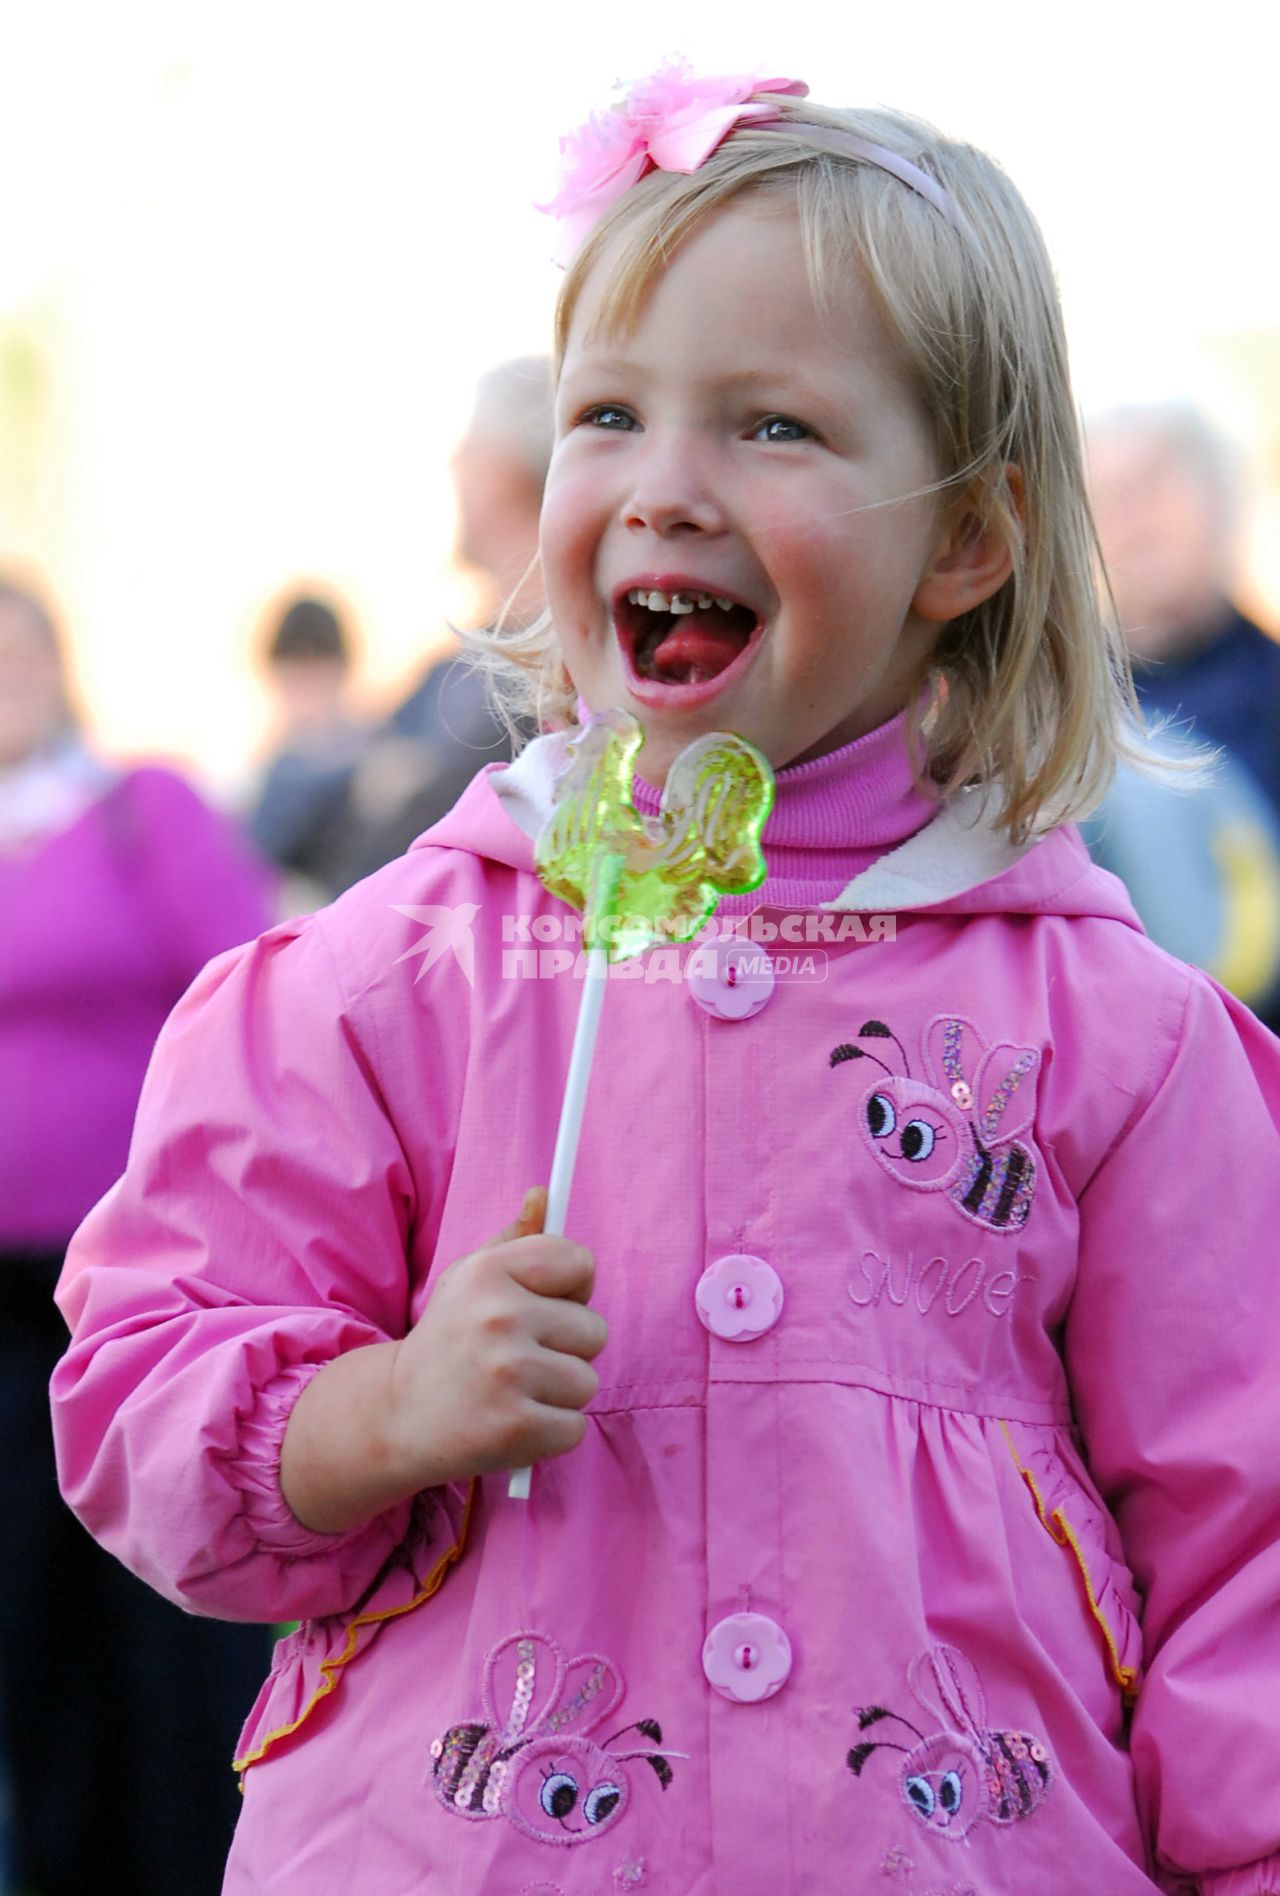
256, 1471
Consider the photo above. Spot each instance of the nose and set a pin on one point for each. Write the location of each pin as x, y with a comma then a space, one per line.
672, 493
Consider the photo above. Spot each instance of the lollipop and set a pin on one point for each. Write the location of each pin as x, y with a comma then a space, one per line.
641, 879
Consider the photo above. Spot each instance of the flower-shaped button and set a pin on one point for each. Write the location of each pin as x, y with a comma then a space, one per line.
747, 1657
739, 1297
732, 979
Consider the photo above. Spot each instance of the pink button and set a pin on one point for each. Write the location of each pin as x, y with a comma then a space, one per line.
747, 1657
739, 1297
732, 979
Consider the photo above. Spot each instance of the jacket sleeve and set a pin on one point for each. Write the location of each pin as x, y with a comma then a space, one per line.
260, 1230
1173, 1351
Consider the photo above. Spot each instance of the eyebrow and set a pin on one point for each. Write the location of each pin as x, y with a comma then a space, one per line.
746, 381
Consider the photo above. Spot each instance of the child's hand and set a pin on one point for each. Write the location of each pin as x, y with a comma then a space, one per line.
497, 1370
495, 1374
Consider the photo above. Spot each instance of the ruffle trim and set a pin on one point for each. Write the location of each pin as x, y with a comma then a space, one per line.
1114, 1620
360, 1633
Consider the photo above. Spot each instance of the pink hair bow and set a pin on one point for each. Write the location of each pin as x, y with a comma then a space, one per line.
670, 121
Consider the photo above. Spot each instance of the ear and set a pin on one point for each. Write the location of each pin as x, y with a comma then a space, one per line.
973, 556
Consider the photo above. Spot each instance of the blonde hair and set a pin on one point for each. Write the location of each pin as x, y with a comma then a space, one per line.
1031, 690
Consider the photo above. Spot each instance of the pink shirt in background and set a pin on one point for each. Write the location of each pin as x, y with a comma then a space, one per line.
103, 925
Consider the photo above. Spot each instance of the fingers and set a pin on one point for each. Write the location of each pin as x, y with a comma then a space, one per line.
554, 1432
545, 1419
555, 1268
571, 1329
529, 1220
551, 1267
556, 1381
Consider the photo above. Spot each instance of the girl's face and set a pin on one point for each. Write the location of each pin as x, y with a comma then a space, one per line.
739, 447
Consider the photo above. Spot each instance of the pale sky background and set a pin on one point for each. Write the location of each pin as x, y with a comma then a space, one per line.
253, 256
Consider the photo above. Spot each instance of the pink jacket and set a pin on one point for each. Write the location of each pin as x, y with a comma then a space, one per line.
938, 1421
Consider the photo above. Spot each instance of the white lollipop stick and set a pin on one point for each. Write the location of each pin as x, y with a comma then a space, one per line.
566, 1152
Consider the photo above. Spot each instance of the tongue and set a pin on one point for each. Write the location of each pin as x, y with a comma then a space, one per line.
696, 652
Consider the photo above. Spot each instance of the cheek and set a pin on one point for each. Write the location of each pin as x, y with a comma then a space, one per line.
570, 526
799, 549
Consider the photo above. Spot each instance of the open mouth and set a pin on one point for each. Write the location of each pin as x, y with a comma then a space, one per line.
683, 637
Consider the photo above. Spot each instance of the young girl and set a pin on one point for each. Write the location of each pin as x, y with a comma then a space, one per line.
915, 1527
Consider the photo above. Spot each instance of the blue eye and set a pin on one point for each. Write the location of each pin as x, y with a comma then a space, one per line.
951, 1792
609, 415
782, 428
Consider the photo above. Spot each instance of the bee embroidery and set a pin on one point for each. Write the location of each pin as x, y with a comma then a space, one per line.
959, 1776
534, 1764
951, 1132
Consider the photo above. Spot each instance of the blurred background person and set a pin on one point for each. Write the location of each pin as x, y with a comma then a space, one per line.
1201, 859
426, 753
1167, 498
300, 817
118, 1712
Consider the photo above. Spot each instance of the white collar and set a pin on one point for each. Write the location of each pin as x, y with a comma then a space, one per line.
960, 848
526, 788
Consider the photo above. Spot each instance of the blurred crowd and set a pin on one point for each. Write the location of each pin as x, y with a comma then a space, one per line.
1201, 858
118, 1713
339, 798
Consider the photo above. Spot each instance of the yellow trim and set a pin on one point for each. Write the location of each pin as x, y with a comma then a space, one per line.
1059, 1529
1250, 946
332, 1667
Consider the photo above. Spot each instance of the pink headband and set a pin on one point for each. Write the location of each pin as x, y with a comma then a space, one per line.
673, 121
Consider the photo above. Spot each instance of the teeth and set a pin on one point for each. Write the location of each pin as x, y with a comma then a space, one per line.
677, 602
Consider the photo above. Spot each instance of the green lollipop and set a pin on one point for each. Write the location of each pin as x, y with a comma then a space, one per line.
641, 879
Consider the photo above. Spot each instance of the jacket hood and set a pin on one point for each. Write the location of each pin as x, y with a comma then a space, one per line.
960, 863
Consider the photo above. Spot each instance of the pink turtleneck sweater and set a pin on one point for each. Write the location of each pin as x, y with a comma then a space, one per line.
832, 818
